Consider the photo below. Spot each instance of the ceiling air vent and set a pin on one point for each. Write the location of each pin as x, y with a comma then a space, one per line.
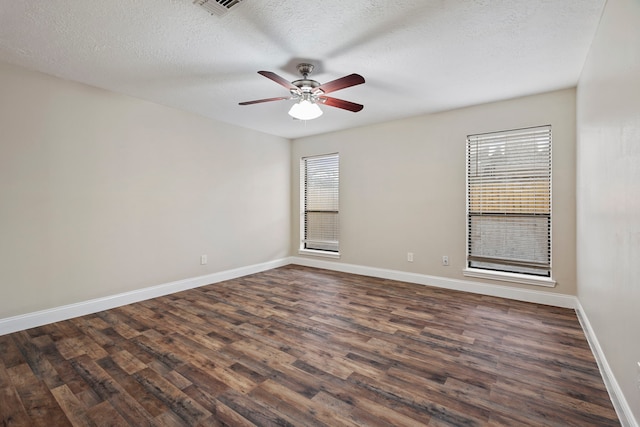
217, 7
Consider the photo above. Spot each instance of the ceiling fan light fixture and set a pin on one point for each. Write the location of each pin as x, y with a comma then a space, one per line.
305, 110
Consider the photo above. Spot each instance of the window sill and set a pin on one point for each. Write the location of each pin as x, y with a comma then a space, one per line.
510, 277
324, 254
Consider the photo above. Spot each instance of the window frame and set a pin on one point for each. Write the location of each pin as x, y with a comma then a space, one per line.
497, 274
303, 249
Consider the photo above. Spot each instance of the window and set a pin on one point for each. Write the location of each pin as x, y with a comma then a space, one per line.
509, 201
320, 180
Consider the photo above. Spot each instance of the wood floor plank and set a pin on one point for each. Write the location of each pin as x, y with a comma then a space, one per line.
296, 408
36, 398
252, 410
71, 406
298, 346
132, 387
330, 409
105, 415
9, 353
12, 410
230, 417
37, 361
180, 404
109, 389
202, 380
346, 390
384, 413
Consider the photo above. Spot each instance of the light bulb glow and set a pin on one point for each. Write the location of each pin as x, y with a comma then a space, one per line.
305, 110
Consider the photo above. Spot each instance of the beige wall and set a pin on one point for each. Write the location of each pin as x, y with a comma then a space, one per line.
102, 194
608, 192
402, 185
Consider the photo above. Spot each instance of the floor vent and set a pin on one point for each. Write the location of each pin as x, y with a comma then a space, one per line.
217, 7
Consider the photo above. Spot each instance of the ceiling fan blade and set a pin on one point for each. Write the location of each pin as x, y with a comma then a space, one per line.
258, 101
280, 80
341, 103
341, 83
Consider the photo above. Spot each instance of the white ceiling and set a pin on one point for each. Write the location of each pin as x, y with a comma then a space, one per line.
417, 56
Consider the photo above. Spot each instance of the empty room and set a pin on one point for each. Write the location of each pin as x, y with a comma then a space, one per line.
330, 213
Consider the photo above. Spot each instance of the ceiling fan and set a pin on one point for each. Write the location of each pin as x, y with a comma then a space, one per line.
309, 93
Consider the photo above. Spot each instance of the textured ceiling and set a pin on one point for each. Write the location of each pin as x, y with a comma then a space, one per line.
417, 56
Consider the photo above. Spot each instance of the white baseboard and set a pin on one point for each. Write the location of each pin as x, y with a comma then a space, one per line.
620, 404
519, 294
44, 317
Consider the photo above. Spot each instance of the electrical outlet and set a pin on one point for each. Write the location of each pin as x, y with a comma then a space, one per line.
445, 260
203, 259
410, 256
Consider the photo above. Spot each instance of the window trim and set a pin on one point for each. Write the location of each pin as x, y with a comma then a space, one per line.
301, 249
486, 273
316, 252
526, 279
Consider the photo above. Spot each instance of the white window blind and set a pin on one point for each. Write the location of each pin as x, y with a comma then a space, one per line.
320, 205
509, 201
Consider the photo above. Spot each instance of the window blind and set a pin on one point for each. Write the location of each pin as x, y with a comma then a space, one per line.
320, 184
509, 201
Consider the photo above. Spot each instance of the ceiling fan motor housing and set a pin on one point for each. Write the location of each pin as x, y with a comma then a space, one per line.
305, 84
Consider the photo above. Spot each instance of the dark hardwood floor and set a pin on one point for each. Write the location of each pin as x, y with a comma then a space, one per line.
306, 347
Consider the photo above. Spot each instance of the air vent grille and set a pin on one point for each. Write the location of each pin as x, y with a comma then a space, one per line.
217, 7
